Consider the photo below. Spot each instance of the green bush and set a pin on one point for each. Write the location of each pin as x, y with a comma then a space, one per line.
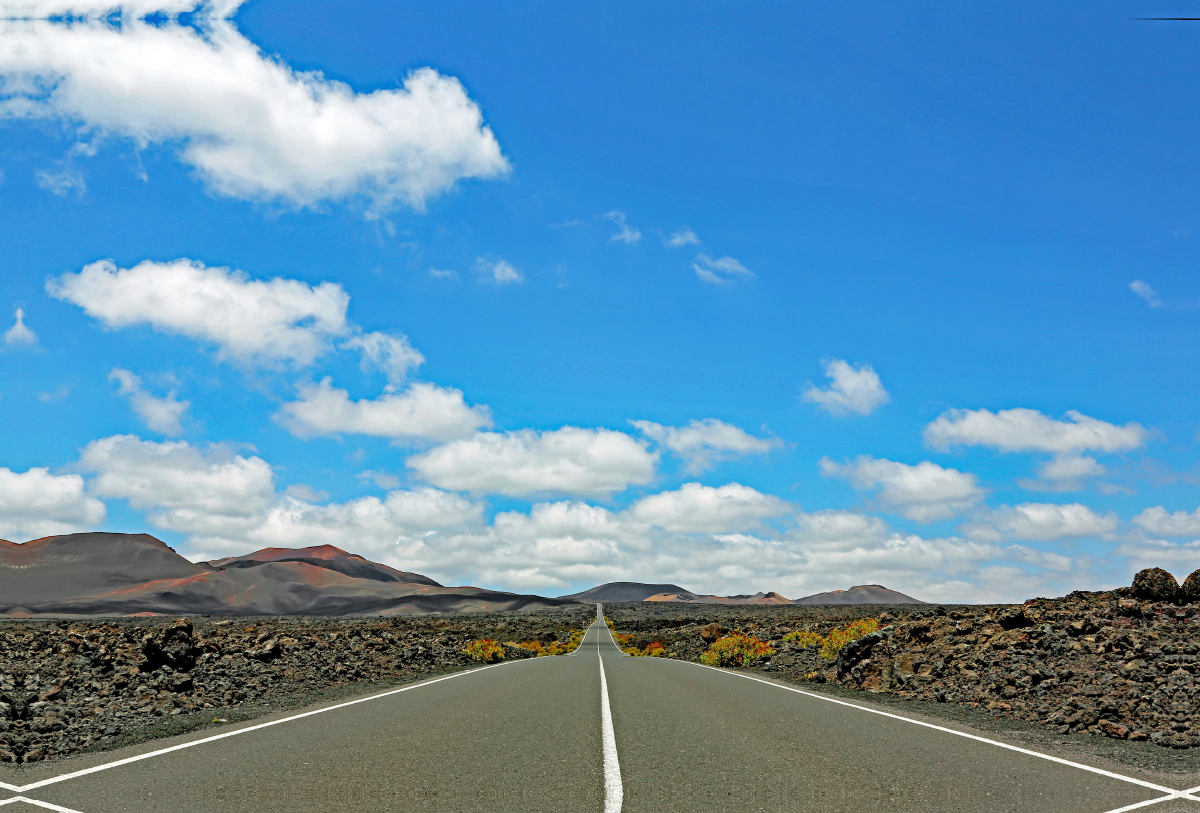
484, 650
737, 649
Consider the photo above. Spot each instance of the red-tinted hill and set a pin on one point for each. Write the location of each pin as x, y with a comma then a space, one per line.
124, 574
326, 556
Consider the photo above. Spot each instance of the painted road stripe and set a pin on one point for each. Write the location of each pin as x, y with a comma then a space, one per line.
614, 792
37, 803
1172, 792
215, 737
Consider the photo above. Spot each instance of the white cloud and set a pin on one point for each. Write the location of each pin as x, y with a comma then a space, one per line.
722, 271
250, 321
697, 508
162, 415
704, 443
627, 234
1027, 430
569, 460
1065, 472
442, 273
1157, 521
853, 389
924, 492
19, 335
498, 271
38, 503
421, 412
681, 237
1179, 560
1041, 522
391, 355
1147, 293
248, 124
184, 488
61, 392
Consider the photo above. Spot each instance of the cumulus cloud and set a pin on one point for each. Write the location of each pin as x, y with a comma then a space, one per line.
626, 234
702, 444
391, 355
498, 271
721, 271
421, 412
249, 321
852, 389
19, 335
1178, 559
569, 460
681, 237
924, 492
1041, 522
1027, 430
1065, 472
1157, 521
37, 503
227, 502
162, 415
249, 125
1146, 293
697, 508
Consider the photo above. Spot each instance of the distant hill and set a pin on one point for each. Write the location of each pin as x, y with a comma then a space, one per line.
624, 591
862, 594
757, 598
123, 574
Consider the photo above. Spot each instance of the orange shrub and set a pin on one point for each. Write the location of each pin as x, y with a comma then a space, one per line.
484, 650
737, 649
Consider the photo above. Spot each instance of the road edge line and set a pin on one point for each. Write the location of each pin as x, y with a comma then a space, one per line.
139, 757
1099, 771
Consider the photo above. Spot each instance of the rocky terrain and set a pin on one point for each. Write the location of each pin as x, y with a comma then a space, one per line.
71, 686
1123, 664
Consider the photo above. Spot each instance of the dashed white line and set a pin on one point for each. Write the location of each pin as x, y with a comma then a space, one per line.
614, 791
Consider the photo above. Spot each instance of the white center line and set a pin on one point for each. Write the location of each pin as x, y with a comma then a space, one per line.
614, 792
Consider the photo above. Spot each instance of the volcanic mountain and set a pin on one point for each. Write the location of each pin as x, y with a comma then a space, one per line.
624, 591
862, 594
122, 574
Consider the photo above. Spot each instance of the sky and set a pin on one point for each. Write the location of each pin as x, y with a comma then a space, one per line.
535, 296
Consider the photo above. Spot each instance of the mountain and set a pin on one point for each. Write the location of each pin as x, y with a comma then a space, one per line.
624, 591
326, 556
862, 594
57, 567
758, 598
107, 574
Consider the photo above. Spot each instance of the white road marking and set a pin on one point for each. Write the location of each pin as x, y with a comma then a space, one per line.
215, 737
614, 792
36, 803
1172, 793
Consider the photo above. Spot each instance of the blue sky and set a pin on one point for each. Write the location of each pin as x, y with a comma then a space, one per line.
536, 297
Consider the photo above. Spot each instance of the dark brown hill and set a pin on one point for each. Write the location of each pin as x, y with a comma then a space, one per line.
57, 567
625, 591
862, 594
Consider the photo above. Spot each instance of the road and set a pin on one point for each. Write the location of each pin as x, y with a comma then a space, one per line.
592, 731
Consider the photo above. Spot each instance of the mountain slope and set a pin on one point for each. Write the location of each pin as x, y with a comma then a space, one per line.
624, 591
326, 556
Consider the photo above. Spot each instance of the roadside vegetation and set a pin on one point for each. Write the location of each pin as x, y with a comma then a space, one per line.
654, 649
831, 644
484, 650
737, 649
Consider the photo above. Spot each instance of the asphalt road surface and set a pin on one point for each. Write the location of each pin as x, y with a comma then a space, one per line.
592, 731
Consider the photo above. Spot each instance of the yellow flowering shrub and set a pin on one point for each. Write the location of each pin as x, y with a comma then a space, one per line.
838, 638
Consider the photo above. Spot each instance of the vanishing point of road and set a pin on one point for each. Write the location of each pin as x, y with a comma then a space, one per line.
592, 731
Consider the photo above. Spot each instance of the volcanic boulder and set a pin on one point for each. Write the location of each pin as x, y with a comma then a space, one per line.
1155, 584
1190, 592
